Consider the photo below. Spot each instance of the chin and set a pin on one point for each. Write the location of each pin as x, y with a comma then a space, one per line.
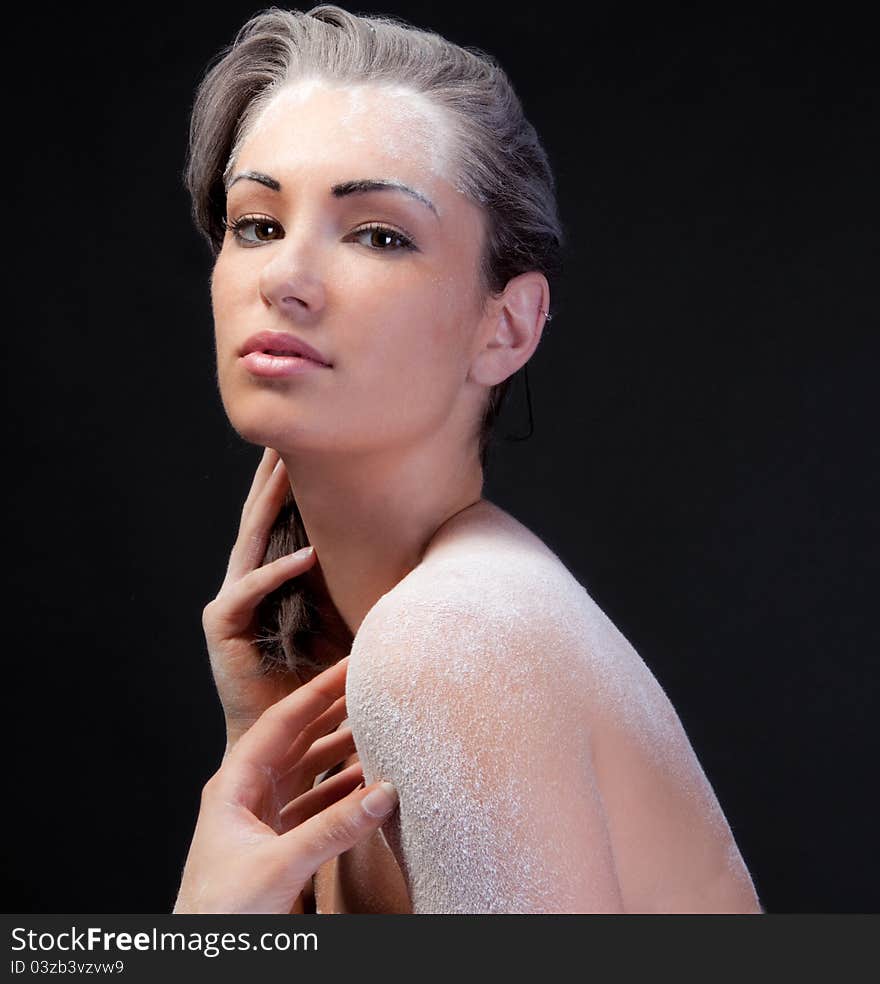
264, 432
259, 417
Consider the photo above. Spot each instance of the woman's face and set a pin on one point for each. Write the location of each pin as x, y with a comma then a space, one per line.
398, 325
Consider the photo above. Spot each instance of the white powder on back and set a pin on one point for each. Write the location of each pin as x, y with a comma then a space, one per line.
475, 685
448, 672
456, 831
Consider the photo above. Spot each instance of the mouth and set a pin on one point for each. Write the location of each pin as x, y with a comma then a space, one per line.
281, 354
281, 345
275, 366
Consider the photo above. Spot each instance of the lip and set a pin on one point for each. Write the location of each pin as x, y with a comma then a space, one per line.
261, 364
285, 348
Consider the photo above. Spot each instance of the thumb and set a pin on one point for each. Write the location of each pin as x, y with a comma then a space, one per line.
338, 827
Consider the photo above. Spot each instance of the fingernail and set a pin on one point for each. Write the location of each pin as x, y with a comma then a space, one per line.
380, 801
303, 552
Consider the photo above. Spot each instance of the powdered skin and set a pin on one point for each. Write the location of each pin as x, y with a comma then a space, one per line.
486, 685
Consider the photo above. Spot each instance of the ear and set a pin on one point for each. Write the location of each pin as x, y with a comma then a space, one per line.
512, 329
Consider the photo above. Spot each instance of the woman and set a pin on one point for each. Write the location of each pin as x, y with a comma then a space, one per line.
384, 224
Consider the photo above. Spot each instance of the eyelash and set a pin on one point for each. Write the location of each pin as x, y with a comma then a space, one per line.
236, 225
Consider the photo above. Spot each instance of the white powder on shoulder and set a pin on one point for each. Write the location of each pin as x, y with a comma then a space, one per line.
464, 648
489, 652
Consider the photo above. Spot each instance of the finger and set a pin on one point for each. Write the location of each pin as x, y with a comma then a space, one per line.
337, 828
328, 792
324, 754
259, 756
329, 720
323, 725
253, 532
313, 736
264, 470
232, 609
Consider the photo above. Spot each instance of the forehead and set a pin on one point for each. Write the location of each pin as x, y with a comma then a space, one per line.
313, 122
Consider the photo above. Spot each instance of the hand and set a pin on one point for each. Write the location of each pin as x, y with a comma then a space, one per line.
229, 621
263, 830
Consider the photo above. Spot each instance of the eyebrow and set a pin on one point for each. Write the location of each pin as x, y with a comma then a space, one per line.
359, 186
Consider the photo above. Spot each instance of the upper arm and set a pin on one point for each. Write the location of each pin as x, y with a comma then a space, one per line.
485, 734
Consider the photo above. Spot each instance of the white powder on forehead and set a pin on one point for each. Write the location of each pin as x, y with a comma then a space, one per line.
402, 123
410, 123
503, 620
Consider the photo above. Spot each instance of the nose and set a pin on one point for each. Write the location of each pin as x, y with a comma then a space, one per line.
290, 279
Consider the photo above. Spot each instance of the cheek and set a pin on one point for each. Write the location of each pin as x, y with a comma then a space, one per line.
220, 276
411, 334
217, 291
224, 300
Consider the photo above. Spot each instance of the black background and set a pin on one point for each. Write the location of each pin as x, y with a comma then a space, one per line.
704, 457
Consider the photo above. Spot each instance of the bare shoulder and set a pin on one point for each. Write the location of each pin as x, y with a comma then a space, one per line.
492, 601
492, 651
452, 696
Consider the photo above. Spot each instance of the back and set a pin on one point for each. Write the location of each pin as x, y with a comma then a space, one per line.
492, 619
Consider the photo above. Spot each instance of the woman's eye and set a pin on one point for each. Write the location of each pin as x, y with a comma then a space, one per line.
264, 228
381, 238
251, 230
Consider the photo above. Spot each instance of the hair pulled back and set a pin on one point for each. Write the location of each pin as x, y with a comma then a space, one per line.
499, 164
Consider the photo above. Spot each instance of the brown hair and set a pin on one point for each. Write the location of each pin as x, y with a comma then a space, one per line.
500, 165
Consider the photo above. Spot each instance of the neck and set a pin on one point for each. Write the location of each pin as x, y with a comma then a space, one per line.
372, 517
